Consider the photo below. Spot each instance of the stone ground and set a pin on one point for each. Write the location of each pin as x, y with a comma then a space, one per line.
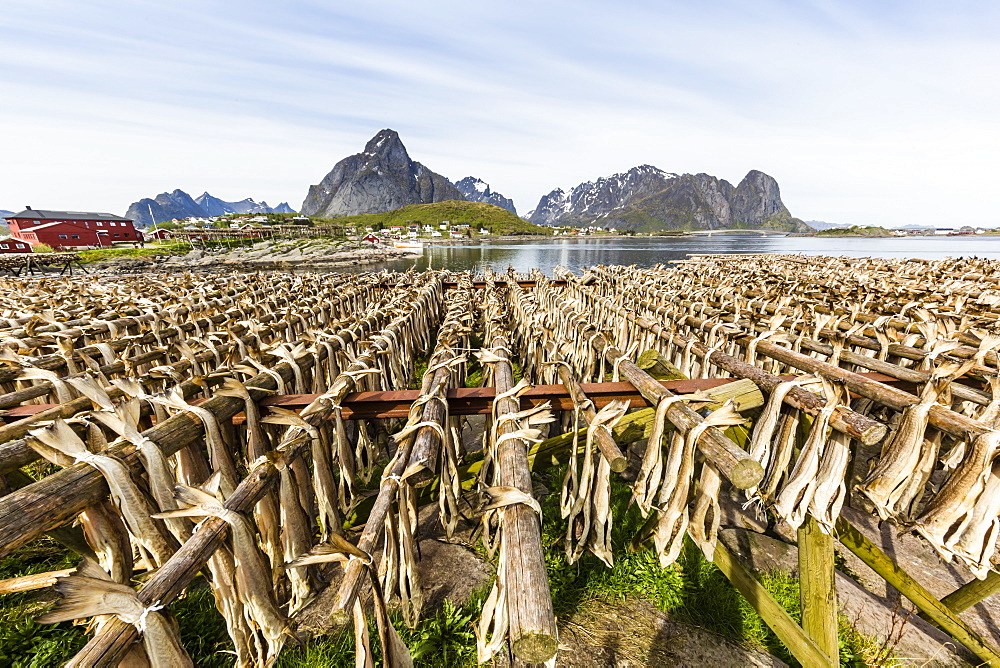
874, 606
279, 254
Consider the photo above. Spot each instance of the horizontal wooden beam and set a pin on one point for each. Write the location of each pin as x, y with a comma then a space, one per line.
450, 285
478, 400
469, 400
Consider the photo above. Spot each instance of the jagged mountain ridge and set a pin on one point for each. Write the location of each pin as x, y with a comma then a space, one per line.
381, 178
648, 199
477, 190
178, 204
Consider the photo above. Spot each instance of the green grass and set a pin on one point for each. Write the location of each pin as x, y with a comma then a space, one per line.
23, 643
476, 214
693, 590
445, 639
855, 231
98, 255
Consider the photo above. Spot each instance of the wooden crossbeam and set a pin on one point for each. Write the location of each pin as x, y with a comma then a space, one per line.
927, 603
478, 400
467, 400
973, 592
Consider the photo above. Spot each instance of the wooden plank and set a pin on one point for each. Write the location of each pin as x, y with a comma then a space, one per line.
926, 602
817, 587
789, 633
32, 582
973, 592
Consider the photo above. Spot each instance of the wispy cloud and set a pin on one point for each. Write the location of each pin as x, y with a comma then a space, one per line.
864, 112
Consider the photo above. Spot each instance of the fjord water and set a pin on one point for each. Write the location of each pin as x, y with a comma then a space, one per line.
577, 253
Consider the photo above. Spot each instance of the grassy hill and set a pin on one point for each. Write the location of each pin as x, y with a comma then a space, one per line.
477, 214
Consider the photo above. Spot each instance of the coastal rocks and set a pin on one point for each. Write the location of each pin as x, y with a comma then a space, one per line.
381, 178
281, 254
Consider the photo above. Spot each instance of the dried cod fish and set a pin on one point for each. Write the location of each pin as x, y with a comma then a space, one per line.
591, 497
60, 445
889, 484
89, 592
253, 582
704, 524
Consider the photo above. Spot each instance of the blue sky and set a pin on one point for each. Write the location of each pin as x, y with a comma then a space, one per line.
867, 113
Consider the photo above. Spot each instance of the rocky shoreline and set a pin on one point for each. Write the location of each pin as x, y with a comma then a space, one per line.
266, 255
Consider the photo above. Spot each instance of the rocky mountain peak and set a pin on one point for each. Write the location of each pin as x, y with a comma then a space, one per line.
381, 178
384, 142
178, 204
477, 190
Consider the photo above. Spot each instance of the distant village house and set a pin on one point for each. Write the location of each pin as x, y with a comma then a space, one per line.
10, 245
71, 229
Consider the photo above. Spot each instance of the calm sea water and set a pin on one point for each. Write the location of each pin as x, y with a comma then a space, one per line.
576, 254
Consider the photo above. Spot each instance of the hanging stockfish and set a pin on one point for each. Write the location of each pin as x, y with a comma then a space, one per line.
952, 512
647, 481
793, 500
762, 436
88, 387
107, 535
906, 460
63, 395
399, 562
124, 421
590, 498
89, 592
829, 489
60, 445
239, 624
295, 530
704, 524
977, 544
218, 450
253, 583
266, 511
394, 651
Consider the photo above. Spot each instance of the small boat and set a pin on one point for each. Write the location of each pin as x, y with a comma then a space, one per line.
409, 244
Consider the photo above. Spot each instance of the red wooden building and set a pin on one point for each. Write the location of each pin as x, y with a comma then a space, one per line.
11, 245
71, 229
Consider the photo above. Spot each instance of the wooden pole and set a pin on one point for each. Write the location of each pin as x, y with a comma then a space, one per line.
817, 587
533, 632
32, 582
926, 602
798, 642
972, 593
